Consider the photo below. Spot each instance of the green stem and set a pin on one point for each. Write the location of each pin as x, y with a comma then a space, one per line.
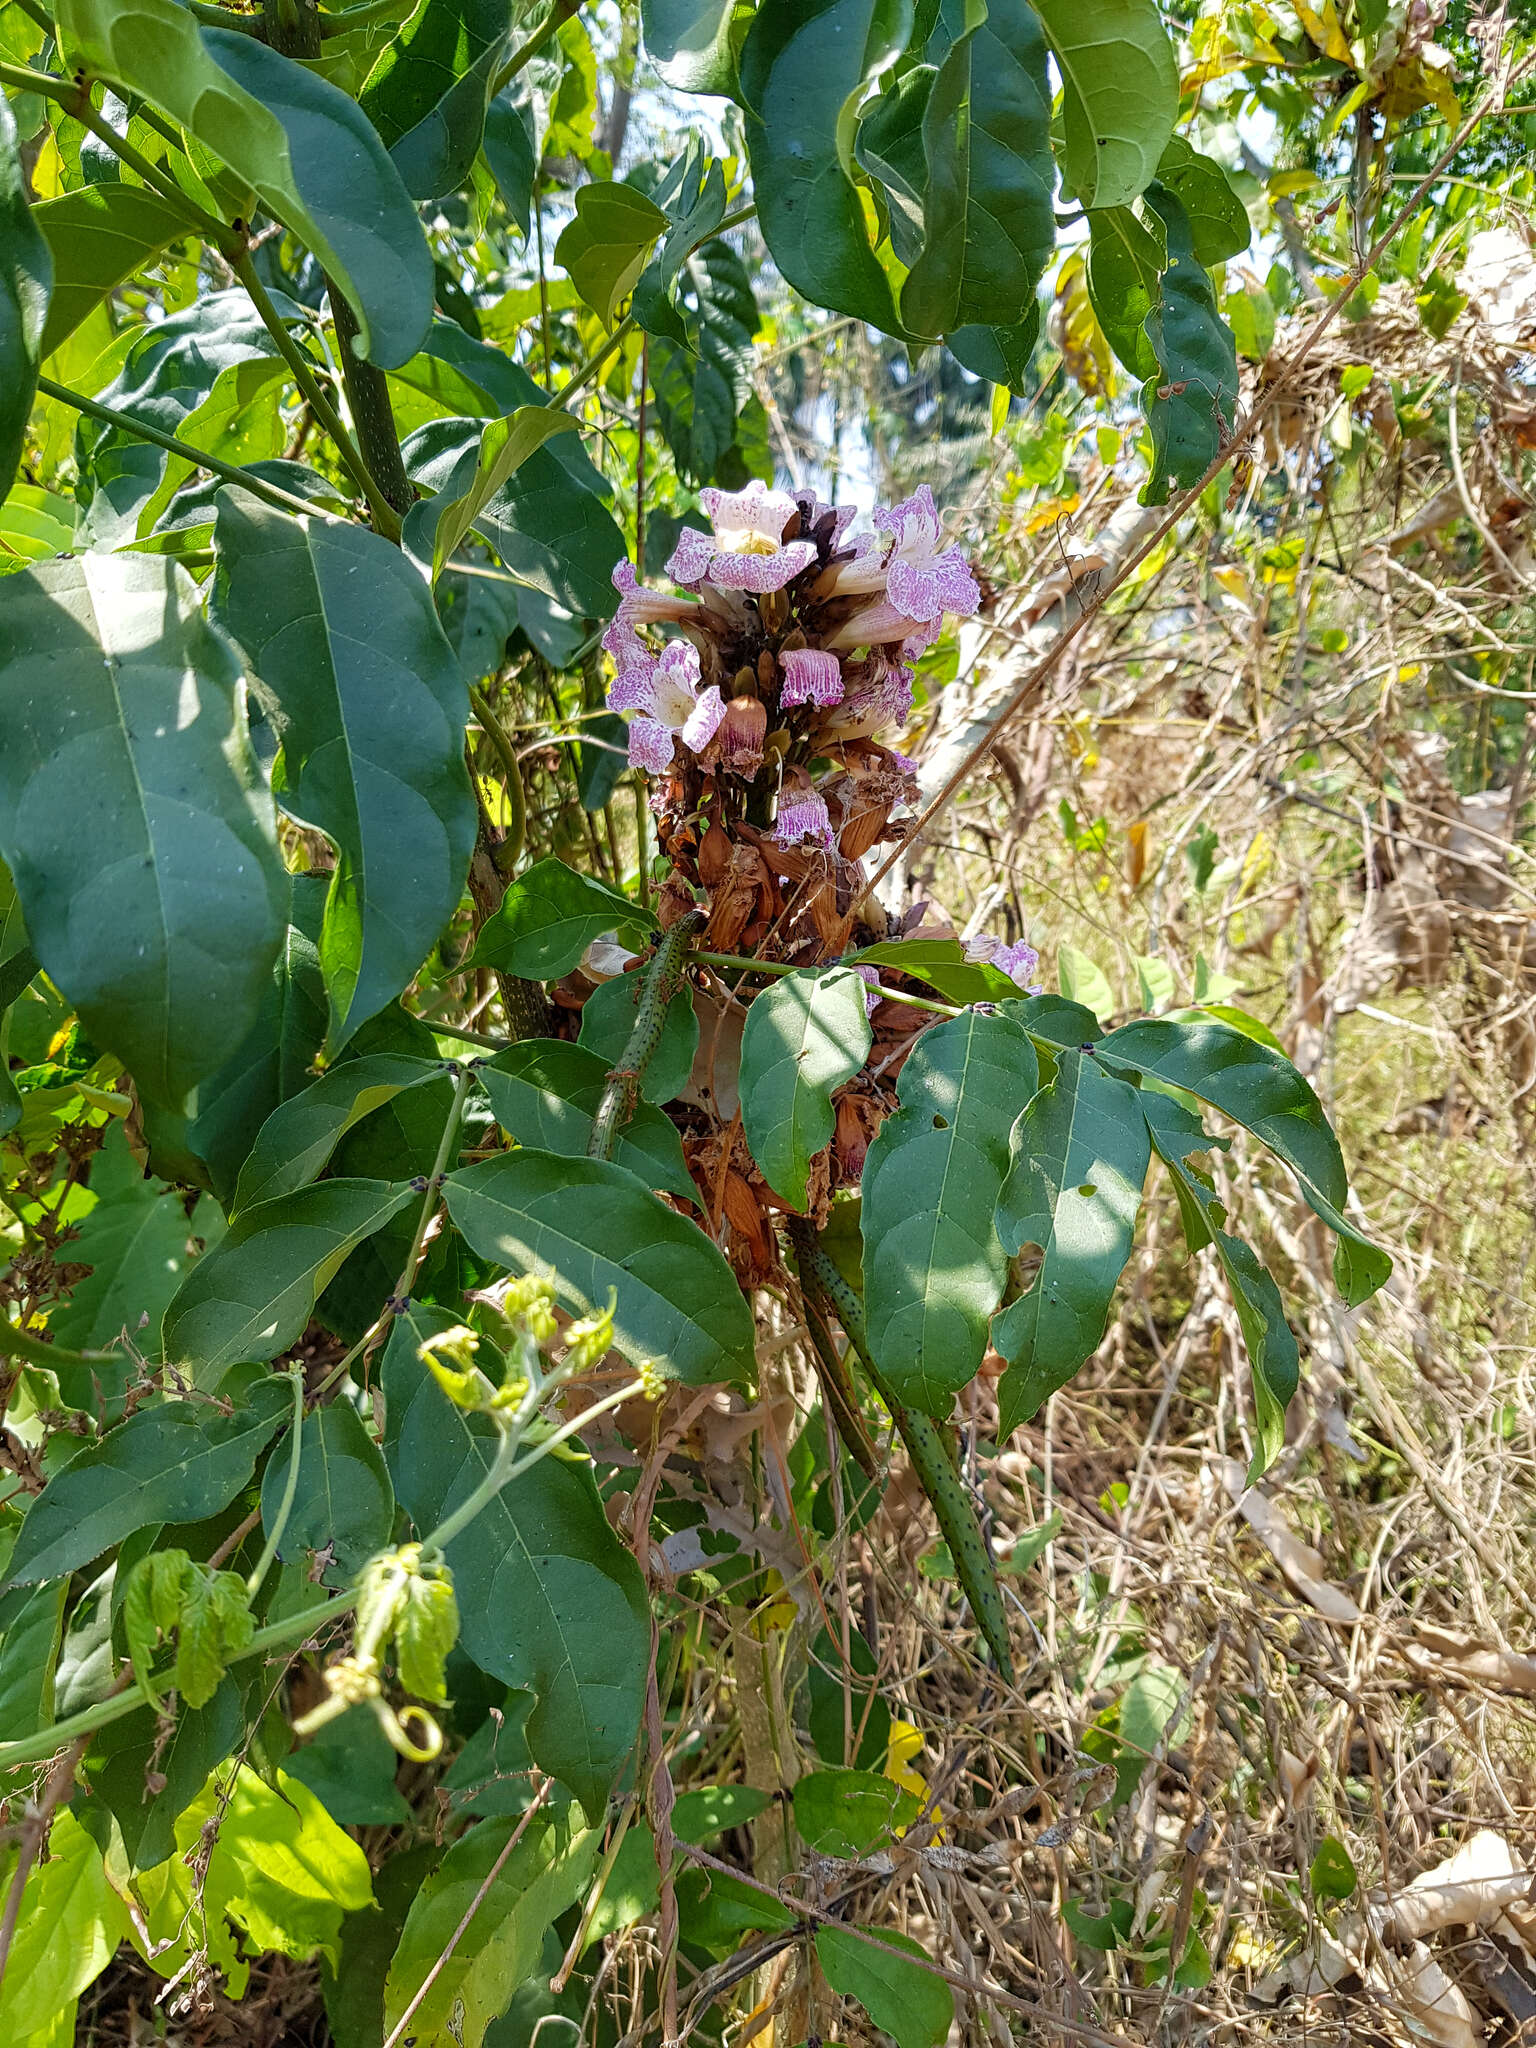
562, 12
225, 17
594, 363
450, 1138
284, 501
290, 1491
658, 984
837, 1385
468, 1037
31, 1749
373, 413
517, 831
385, 518
26, 1344
891, 995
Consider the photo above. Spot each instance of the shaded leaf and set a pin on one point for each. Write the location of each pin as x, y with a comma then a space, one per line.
545, 1092
1126, 258
805, 1035
180, 1462
252, 1295
343, 1503
427, 93
608, 1017
505, 445
26, 278
849, 1813
98, 237
1080, 1158
604, 248
29, 1656
701, 386
886, 1972
596, 1230
1218, 219
157, 908
1003, 355
548, 918
509, 153
125, 1752
1191, 401
934, 1268
297, 1140
350, 663
350, 1767
943, 965
693, 43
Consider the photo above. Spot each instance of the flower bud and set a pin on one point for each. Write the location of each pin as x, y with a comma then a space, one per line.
741, 735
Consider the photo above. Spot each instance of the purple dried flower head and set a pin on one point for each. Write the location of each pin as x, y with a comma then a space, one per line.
811, 676
665, 692
1017, 961
802, 815
743, 729
747, 551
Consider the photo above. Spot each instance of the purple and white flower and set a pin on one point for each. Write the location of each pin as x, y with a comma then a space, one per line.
638, 607
802, 815
872, 997
747, 550
1017, 961
811, 676
664, 692
912, 578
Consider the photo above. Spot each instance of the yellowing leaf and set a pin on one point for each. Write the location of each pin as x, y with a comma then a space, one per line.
1322, 25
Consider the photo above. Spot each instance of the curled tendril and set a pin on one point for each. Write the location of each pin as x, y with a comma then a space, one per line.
349, 1682
397, 1727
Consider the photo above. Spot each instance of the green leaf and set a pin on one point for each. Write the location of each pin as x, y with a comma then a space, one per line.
547, 920
549, 1598
1083, 980
157, 907
505, 446
990, 175
350, 1767
605, 247
1332, 1874
849, 1720
180, 1462
943, 965
544, 1874
427, 93
1155, 981
889, 145
1218, 219
26, 278
29, 1657
1053, 1021
281, 1869
67, 1931
209, 1611
295, 1143
1003, 355
804, 67
251, 1297
1120, 94
344, 1503
933, 1267
596, 1230
1126, 260
1260, 1089
693, 43
901, 1995
1147, 1706
99, 237
701, 388
1273, 1359
509, 155
545, 1092
805, 1035
608, 1017
848, 1813
137, 1243
1080, 1158
426, 1631
124, 1753
352, 667
309, 153
1191, 401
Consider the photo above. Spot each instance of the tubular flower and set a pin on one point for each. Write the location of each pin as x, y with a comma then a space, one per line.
1017, 961
665, 693
638, 607
811, 676
747, 550
911, 578
803, 815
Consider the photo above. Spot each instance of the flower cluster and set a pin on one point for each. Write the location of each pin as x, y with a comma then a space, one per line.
789, 650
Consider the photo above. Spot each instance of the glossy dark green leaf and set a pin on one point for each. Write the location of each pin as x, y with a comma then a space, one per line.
805, 1035
887, 1973
343, 1504
138, 1244
547, 520
251, 1297
427, 93
1120, 94
837, 1680
1126, 260
990, 228
297, 1140
506, 444
1003, 355
701, 387
304, 147
1080, 1157
545, 1092
98, 237
545, 1872
549, 1598
1218, 220
29, 1656
889, 145
509, 153
26, 278
1259, 1089
693, 43
1273, 1358
605, 247
351, 665
350, 1767
608, 1017
1191, 401
596, 1230
547, 920
933, 1267
180, 1462
802, 66
157, 907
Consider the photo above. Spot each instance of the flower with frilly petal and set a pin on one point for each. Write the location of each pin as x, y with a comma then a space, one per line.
878, 694
666, 696
747, 550
638, 607
811, 676
1017, 961
912, 578
802, 815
